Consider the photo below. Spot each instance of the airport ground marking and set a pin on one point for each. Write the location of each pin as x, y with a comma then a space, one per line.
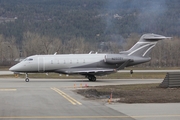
86, 117
67, 97
4, 90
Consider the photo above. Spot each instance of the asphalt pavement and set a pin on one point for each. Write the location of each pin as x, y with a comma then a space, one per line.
55, 99
50, 99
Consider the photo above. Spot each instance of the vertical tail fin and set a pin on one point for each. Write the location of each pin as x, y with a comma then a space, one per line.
144, 46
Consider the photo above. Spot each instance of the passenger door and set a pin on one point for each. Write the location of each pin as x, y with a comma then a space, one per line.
41, 66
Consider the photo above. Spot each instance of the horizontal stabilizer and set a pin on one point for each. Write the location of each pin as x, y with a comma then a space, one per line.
155, 37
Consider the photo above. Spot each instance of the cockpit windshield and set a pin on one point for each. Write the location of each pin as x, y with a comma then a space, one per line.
28, 59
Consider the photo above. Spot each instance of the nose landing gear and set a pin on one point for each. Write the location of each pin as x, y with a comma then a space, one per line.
26, 79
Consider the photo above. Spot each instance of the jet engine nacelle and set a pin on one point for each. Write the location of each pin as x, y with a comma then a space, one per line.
113, 59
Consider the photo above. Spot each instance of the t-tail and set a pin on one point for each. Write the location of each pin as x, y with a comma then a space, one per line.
144, 46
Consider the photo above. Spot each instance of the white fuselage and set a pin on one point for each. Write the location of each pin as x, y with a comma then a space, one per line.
42, 63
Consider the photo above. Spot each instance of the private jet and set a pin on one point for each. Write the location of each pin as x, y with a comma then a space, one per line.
89, 65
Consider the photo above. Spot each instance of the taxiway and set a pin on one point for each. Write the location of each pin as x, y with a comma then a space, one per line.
55, 99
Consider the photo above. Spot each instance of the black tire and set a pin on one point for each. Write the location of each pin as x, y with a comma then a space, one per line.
27, 79
92, 78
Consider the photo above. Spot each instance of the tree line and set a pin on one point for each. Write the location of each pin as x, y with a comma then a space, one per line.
81, 26
165, 54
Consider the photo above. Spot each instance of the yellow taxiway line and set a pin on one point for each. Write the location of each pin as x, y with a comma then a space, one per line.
7, 90
67, 97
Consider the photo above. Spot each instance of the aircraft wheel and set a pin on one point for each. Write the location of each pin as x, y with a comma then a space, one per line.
27, 79
92, 78
89, 78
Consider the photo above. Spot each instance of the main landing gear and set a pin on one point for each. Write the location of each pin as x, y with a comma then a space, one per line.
91, 77
26, 79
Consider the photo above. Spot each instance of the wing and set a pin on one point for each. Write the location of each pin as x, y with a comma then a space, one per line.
84, 71
92, 71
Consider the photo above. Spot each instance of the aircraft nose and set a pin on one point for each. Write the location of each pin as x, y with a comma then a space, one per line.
14, 68
11, 69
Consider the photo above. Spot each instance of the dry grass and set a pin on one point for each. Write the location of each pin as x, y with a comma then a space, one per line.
146, 93
111, 76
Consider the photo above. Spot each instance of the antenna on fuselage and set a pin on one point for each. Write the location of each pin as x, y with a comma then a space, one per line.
55, 53
91, 52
